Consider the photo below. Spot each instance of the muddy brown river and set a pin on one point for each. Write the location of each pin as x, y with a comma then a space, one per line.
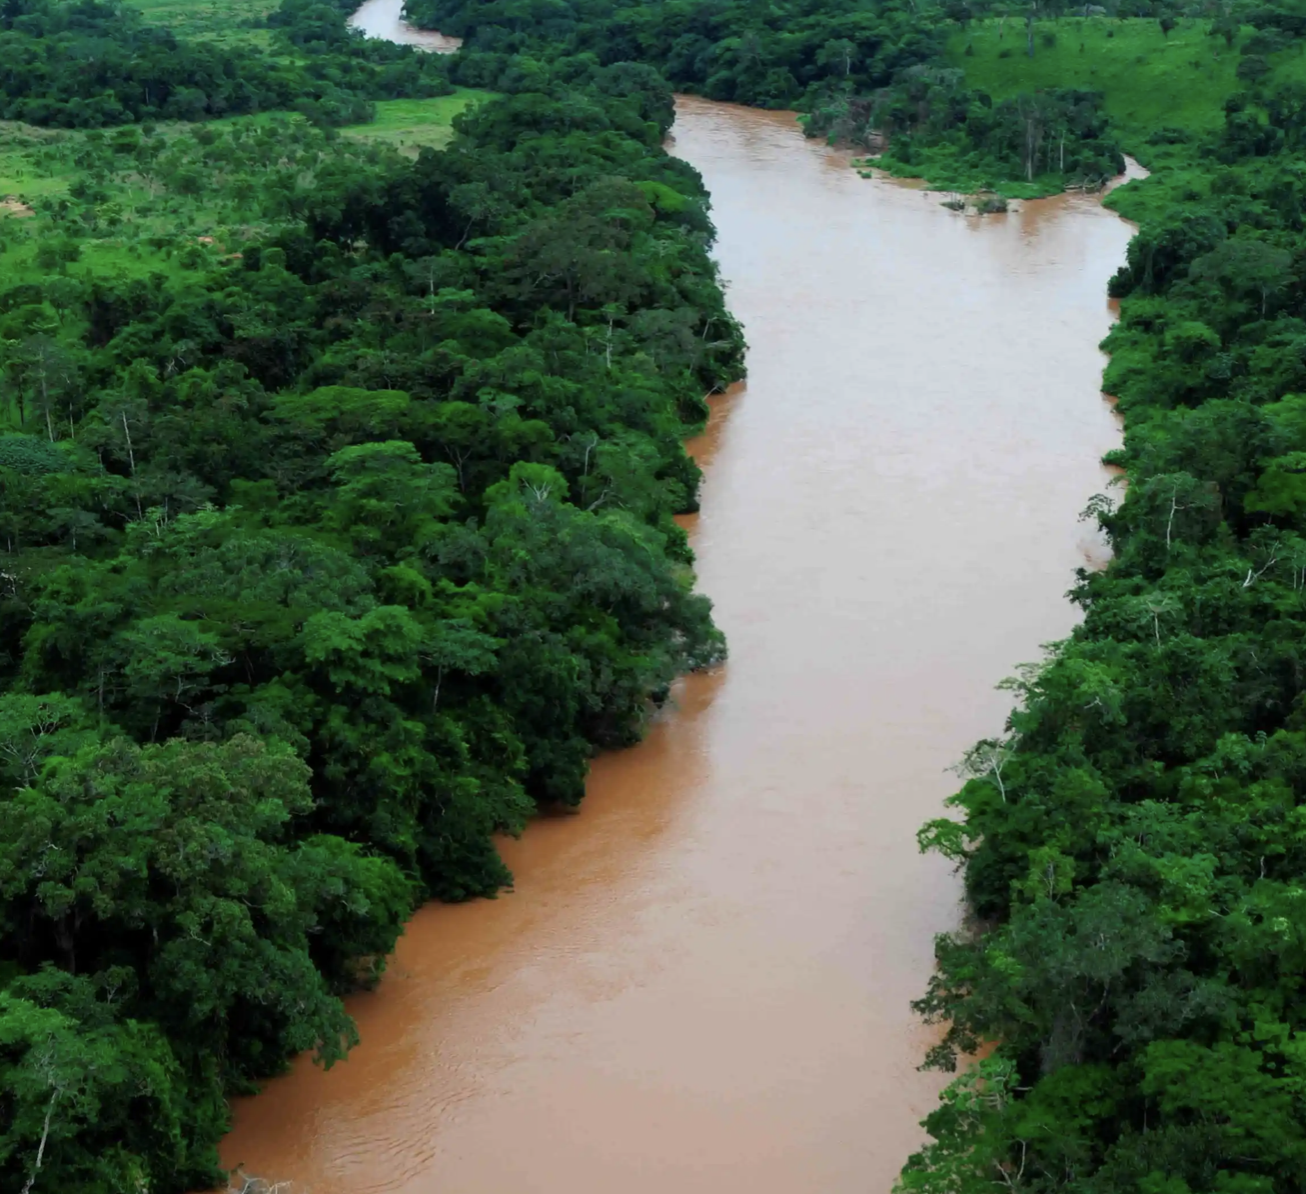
385, 19
701, 982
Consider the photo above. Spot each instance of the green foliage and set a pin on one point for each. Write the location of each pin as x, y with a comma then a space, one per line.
1149, 81
338, 531
224, 21
98, 63
28, 455
728, 51
1133, 844
869, 72
87, 1092
409, 125
205, 944
960, 140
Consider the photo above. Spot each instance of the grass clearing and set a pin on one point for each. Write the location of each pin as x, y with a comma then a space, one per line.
182, 208
1150, 81
408, 125
112, 257
39, 163
946, 168
225, 21
34, 162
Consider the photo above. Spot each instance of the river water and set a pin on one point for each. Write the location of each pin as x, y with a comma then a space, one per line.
384, 18
701, 981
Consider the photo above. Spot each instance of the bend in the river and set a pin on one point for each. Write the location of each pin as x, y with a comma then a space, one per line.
385, 19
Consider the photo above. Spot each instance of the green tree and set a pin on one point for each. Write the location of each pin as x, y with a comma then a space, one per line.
1241, 264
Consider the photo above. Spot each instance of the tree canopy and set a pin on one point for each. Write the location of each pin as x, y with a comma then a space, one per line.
336, 540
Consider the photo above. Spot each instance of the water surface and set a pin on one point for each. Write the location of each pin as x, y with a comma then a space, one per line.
384, 18
701, 982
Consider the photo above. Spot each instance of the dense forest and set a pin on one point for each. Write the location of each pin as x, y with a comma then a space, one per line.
864, 73
337, 527
723, 49
337, 495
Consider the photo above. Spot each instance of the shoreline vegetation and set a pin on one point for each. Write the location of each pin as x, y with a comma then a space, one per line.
339, 478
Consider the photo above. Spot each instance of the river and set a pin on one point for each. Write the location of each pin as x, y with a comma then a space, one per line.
701, 981
385, 18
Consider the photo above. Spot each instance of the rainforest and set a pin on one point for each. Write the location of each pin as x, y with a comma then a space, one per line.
343, 398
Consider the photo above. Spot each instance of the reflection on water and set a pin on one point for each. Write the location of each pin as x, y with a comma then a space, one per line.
701, 981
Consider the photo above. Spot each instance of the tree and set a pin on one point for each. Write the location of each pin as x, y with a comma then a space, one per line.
56, 253
48, 376
1242, 264
33, 728
173, 854
971, 1150
166, 660
1152, 607
1179, 506
1281, 489
386, 496
71, 1083
838, 52
1226, 25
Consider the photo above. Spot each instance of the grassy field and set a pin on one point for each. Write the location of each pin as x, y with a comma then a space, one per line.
226, 21
38, 163
1150, 81
142, 223
408, 125
34, 162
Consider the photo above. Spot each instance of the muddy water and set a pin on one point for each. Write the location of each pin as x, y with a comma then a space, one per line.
384, 18
701, 982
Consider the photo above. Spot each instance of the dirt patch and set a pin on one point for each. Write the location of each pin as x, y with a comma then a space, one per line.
15, 207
